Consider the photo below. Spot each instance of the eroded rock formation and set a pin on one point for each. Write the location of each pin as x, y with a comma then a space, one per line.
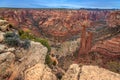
110, 45
56, 24
113, 19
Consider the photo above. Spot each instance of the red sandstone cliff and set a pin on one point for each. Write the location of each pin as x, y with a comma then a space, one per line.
111, 46
57, 24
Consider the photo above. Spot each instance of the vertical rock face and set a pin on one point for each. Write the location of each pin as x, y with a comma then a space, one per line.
83, 41
89, 41
86, 41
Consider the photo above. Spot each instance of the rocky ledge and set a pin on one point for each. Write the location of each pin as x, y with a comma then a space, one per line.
89, 72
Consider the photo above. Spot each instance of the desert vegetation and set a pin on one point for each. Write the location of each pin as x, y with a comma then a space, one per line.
29, 36
13, 39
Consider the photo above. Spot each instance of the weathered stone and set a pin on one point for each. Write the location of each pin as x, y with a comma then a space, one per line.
39, 72
4, 25
1, 36
72, 73
97, 73
6, 64
2, 47
37, 53
10, 49
2, 22
48, 75
3, 56
89, 72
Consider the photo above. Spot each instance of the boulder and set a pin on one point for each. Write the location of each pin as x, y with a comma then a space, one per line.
12, 49
3, 56
7, 56
37, 53
2, 48
4, 25
2, 22
72, 73
1, 36
6, 65
39, 72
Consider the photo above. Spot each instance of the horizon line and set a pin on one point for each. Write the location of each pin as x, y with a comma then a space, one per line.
58, 8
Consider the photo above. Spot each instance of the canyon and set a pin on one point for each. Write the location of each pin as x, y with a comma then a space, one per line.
90, 38
57, 24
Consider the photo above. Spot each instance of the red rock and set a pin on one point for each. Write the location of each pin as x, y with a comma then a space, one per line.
55, 23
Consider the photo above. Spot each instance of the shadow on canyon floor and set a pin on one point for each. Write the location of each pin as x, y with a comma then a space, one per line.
93, 58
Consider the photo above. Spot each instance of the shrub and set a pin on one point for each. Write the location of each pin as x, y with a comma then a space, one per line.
12, 39
11, 34
25, 44
48, 60
27, 35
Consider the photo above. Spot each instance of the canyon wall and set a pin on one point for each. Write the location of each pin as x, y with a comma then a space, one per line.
54, 23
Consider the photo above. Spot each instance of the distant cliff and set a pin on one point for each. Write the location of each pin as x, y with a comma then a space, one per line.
54, 23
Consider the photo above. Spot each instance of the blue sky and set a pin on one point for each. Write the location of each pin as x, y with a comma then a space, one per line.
61, 3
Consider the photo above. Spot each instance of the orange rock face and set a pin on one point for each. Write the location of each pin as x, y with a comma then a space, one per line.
110, 48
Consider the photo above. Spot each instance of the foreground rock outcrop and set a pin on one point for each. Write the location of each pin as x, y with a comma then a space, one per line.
89, 72
39, 72
97, 73
72, 73
19, 63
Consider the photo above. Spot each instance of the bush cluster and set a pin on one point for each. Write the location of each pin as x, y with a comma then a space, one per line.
48, 60
28, 35
13, 39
